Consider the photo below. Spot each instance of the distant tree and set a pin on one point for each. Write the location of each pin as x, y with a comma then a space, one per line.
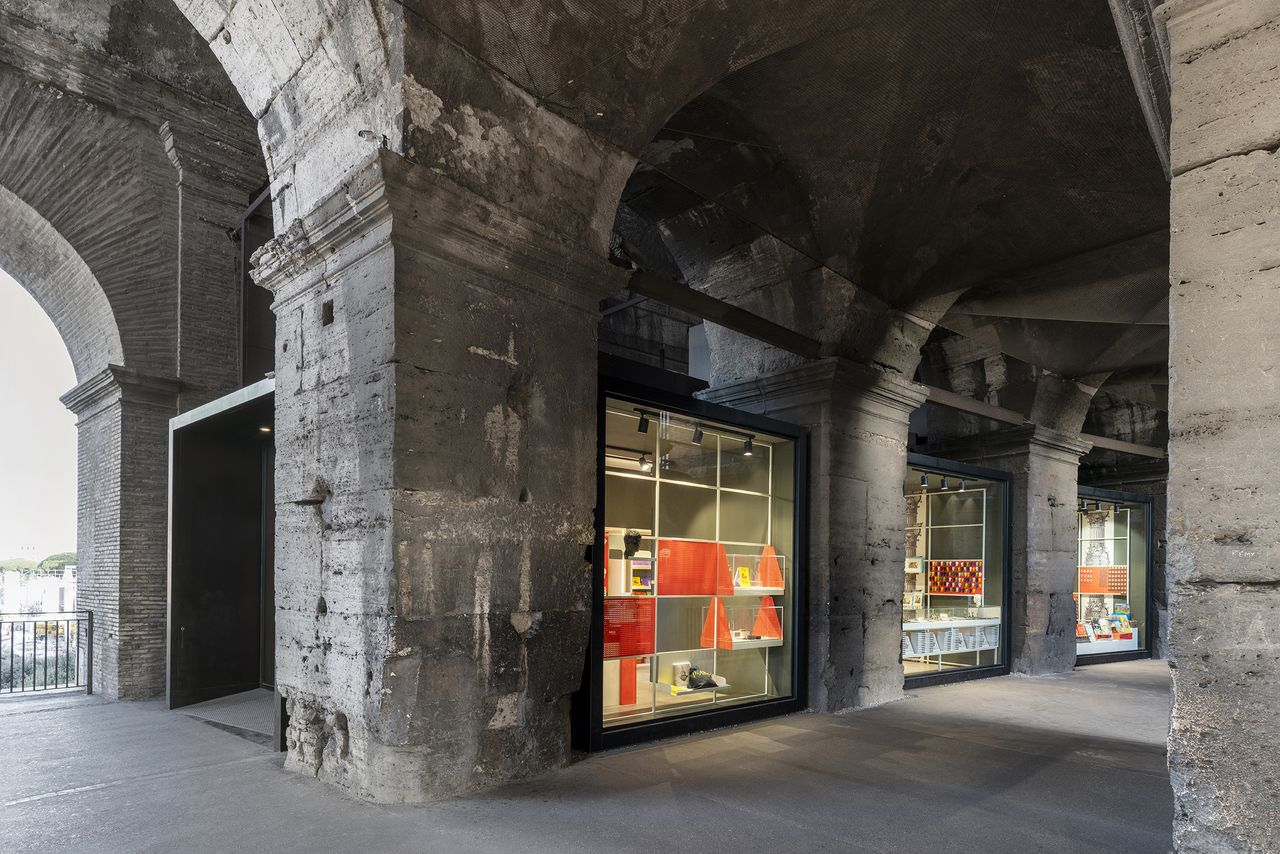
17, 563
55, 562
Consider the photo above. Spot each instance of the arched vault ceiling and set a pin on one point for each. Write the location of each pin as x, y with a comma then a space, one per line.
949, 147
618, 67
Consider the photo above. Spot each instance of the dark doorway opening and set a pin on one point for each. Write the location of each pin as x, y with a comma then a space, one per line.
221, 567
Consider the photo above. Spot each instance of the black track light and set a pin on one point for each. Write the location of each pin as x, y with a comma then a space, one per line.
643, 426
697, 434
924, 481
962, 486
746, 447
946, 484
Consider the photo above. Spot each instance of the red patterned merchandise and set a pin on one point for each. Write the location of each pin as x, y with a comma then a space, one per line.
955, 577
1105, 580
628, 626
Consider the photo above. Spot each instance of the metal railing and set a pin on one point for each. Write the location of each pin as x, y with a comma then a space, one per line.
46, 651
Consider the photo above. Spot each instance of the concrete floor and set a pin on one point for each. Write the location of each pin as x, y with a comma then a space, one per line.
1066, 764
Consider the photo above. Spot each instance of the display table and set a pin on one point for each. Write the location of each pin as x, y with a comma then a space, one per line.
929, 638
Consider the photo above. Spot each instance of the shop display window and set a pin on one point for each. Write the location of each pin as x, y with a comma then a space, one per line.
955, 574
1111, 582
699, 540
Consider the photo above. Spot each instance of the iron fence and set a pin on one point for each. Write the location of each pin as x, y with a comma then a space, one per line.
46, 651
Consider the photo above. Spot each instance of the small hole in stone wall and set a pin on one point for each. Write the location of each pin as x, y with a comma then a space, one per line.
322, 607
326, 312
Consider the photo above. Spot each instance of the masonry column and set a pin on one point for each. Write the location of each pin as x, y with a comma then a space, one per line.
857, 416
1224, 402
1043, 539
121, 541
436, 397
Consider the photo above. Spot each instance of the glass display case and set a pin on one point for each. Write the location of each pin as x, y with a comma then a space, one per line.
699, 539
1111, 579
954, 577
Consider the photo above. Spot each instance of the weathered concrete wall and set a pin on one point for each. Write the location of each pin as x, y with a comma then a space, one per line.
857, 417
1224, 541
435, 484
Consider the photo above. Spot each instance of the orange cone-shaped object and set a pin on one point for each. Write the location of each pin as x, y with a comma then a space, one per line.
715, 628
767, 625
770, 571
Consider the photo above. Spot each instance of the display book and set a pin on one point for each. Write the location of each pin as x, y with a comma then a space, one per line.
1104, 618
690, 568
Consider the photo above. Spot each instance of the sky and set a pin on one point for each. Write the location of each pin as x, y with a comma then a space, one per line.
37, 433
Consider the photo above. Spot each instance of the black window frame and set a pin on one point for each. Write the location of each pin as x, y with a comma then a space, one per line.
589, 732
937, 465
1113, 496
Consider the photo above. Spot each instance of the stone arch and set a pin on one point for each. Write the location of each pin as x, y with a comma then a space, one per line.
42, 261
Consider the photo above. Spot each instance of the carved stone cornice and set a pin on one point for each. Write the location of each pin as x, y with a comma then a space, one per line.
116, 383
422, 212
829, 382
1014, 441
220, 168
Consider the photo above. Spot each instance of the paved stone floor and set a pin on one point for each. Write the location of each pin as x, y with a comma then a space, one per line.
1067, 764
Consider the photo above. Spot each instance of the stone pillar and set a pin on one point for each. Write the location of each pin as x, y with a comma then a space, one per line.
1224, 395
215, 179
436, 398
857, 416
122, 545
1043, 539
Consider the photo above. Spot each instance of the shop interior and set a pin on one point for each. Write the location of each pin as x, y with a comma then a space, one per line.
699, 530
954, 576
1111, 582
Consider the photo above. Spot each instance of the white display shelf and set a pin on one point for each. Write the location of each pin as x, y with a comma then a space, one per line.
1107, 645
756, 643
757, 591
927, 638
934, 625
684, 692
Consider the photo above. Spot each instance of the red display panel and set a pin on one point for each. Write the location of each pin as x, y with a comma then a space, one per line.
693, 569
628, 626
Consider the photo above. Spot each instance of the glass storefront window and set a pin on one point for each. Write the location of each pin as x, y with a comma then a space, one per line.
955, 575
700, 540
1111, 583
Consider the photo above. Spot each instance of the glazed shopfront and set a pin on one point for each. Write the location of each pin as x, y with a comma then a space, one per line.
956, 572
1113, 579
699, 578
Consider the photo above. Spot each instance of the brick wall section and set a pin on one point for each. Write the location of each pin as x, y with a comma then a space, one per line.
126, 250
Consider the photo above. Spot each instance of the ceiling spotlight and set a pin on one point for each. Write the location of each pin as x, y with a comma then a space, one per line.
946, 484
643, 426
962, 485
746, 447
924, 481
697, 434
264, 429
646, 464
